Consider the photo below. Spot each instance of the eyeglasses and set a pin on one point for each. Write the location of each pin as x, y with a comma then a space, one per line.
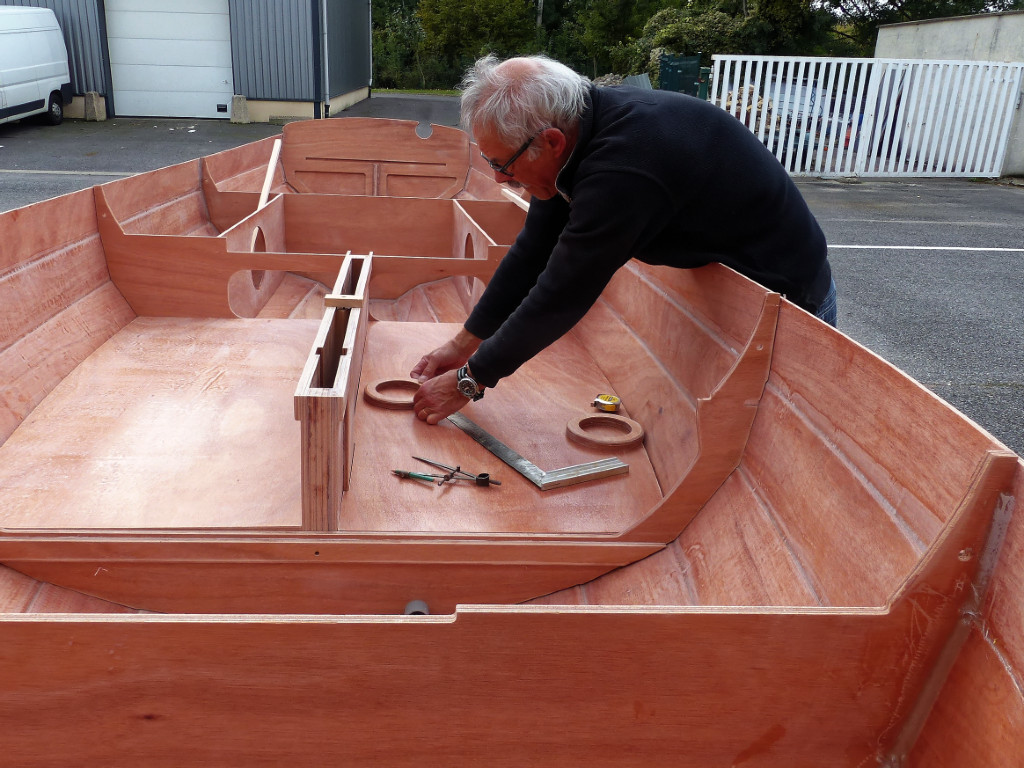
503, 169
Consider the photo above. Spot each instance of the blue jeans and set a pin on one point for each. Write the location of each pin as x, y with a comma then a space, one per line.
827, 310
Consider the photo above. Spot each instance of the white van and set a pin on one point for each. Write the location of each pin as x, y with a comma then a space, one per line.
34, 76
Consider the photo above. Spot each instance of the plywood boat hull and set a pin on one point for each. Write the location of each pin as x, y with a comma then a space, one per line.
812, 561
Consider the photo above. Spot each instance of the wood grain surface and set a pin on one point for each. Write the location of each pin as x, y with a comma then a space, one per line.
171, 423
528, 411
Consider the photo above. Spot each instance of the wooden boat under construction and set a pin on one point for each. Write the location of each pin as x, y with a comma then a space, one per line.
807, 560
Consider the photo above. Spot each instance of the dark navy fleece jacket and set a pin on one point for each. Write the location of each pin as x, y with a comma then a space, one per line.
662, 178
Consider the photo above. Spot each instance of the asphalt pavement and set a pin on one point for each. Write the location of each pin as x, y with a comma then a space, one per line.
930, 272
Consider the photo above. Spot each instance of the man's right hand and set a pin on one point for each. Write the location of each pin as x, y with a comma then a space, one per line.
449, 356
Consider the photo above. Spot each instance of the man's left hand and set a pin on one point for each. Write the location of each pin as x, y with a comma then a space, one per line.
438, 398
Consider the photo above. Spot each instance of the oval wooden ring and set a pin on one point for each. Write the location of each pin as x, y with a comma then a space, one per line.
576, 430
373, 393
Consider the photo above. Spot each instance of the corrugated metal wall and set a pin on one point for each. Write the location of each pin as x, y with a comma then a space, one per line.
272, 49
348, 45
83, 35
271, 46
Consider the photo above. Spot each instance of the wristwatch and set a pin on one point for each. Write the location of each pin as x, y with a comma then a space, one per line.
468, 386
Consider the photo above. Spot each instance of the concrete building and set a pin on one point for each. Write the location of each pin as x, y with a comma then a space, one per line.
245, 60
985, 37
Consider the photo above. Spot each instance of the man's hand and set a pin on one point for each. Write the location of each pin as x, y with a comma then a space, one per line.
448, 357
438, 398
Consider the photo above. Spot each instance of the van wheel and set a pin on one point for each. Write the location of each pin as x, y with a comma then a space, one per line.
55, 110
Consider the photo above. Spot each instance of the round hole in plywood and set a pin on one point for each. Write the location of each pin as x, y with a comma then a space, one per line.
259, 245
604, 430
391, 393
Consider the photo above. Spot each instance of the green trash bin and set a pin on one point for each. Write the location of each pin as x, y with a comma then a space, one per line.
679, 73
702, 84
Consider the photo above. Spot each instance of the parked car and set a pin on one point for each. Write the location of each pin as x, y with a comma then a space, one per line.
34, 74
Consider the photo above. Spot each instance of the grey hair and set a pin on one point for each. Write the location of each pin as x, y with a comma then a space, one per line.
517, 102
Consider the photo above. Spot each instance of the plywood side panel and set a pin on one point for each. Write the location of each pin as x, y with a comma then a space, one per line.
184, 215
568, 688
165, 201
448, 301
323, 576
724, 300
664, 408
723, 423
736, 555
1003, 611
731, 554
228, 208
381, 225
692, 354
40, 290
30, 232
501, 221
978, 721
53, 599
233, 169
569, 685
297, 298
16, 590
40, 360
659, 579
894, 430
848, 542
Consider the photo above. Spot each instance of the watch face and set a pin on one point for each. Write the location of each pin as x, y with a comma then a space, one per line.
468, 387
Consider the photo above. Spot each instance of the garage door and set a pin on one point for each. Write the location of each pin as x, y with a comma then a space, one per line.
170, 59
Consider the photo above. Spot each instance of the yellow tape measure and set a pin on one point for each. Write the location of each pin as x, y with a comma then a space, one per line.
609, 403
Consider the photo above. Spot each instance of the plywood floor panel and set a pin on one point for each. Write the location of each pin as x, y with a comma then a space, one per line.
528, 411
171, 423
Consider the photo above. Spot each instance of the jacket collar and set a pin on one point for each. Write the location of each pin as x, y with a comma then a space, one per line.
566, 176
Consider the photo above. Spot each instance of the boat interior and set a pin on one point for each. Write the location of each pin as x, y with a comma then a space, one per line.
188, 426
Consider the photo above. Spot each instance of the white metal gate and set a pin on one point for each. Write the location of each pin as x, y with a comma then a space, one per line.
873, 117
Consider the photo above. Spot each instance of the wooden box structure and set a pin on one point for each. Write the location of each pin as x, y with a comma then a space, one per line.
812, 560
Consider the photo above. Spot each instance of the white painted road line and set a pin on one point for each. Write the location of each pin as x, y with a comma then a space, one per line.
923, 248
68, 173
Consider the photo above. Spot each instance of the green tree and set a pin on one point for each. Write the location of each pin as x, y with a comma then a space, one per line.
597, 35
858, 20
457, 32
397, 41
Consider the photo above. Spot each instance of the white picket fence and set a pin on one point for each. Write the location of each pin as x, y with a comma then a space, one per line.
873, 117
